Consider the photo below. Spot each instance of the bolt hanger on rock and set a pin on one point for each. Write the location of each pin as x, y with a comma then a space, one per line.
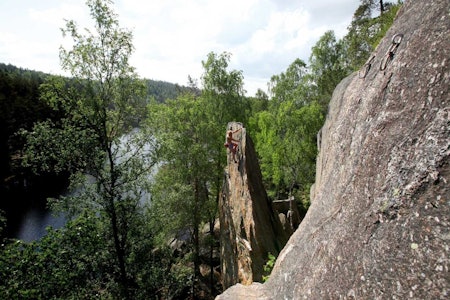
396, 40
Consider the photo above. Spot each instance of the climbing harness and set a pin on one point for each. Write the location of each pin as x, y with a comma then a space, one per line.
396, 40
364, 70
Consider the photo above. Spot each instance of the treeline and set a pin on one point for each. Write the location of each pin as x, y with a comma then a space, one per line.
21, 108
141, 191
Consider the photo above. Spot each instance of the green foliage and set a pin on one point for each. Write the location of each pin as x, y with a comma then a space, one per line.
95, 139
19, 108
263, 127
327, 68
269, 266
291, 85
161, 90
216, 79
74, 263
64, 264
286, 143
189, 131
258, 103
182, 195
285, 134
366, 31
73, 147
224, 90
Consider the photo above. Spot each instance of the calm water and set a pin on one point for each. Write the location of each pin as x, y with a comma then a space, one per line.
26, 212
34, 222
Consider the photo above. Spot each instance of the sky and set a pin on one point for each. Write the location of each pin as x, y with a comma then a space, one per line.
173, 37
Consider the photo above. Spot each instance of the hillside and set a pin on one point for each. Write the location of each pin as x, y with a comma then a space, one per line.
20, 107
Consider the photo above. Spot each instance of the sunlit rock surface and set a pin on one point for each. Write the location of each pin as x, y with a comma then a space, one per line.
249, 228
378, 226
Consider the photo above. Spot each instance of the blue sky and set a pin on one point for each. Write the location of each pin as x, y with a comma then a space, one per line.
172, 37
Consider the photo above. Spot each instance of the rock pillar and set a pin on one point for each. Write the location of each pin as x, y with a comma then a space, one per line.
249, 228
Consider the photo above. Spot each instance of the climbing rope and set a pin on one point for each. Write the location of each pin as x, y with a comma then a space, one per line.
396, 40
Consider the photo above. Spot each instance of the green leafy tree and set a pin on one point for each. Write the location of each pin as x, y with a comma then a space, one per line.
291, 85
96, 139
285, 133
223, 101
73, 263
259, 103
264, 128
66, 263
224, 91
190, 133
287, 147
298, 149
326, 67
358, 39
182, 199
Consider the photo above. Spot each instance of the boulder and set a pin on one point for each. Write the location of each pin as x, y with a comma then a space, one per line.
378, 225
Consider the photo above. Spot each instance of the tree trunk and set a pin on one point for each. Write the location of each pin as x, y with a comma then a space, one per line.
123, 282
211, 253
118, 242
195, 236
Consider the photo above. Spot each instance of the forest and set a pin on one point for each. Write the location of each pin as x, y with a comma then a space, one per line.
146, 158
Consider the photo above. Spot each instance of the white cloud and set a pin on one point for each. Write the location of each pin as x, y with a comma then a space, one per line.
171, 38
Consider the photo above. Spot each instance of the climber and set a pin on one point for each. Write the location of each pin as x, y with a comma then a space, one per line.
231, 143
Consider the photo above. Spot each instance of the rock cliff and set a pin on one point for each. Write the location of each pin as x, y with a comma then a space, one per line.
249, 228
378, 225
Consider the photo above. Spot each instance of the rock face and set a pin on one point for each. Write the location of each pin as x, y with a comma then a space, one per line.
378, 225
249, 228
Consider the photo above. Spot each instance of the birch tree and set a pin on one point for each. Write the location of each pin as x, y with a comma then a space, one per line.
96, 139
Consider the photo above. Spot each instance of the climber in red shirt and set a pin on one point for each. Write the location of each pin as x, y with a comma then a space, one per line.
231, 143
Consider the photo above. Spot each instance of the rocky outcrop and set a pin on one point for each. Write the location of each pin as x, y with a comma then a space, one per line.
249, 228
378, 225
288, 214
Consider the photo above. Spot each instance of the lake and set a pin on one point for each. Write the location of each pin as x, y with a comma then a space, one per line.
26, 210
